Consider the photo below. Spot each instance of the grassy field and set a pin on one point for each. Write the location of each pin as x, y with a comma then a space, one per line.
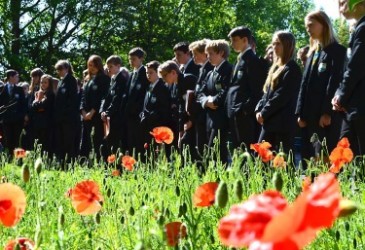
138, 204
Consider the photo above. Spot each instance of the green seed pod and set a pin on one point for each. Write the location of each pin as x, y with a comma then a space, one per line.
38, 165
122, 220
347, 226
131, 211
26, 173
354, 243
238, 189
221, 195
278, 181
97, 218
177, 190
338, 235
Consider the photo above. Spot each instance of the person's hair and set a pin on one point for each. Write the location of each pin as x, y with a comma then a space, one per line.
241, 31
10, 73
138, 52
98, 63
328, 33
153, 65
37, 72
303, 52
50, 81
219, 46
167, 67
23, 84
114, 60
199, 46
64, 64
182, 46
288, 43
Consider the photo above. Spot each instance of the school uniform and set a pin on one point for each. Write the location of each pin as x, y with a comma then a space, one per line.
137, 87
242, 97
12, 113
322, 75
156, 109
191, 68
277, 108
112, 106
214, 89
66, 115
351, 91
93, 93
42, 114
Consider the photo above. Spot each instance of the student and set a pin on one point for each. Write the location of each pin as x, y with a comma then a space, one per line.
171, 74
275, 111
66, 112
93, 92
156, 107
184, 59
133, 105
213, 94
198, 117
245, 89
12, 110
111, 108
349, 97
322, 76
42, 109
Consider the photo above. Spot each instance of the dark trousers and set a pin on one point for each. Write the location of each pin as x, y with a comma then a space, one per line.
201, 137
354, 131
134, 136
44, 138
242, 128
12, 131
222, 135
286, 140
96, 137
65, 140
188, 139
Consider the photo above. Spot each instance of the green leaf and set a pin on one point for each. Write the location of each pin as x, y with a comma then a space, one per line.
352, 3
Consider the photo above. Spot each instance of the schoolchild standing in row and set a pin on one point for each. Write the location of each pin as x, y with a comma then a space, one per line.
184, 59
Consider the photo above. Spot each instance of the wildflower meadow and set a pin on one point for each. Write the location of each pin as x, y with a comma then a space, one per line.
262, 200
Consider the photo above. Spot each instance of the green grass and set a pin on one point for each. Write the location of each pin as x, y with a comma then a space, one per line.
138, 204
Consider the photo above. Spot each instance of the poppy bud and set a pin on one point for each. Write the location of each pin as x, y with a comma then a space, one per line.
26, 173
122, 220
177, 190
131, 211
347, 226
354, 243
238, 189
221, 196
278, 181
347, 208
160, 219
145, 146
38, 165
182, 209
338, 235
108, 192
97, 218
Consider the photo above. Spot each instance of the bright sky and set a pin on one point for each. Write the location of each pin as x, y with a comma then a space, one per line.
329, 6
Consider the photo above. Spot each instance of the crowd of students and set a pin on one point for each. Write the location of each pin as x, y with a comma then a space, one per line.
199, 95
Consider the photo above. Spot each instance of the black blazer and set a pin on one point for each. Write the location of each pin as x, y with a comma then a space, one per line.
216, 84
137, 87
94, 92
185, 82
156, 108
192, 68
112, 102
43, 111
277, 106
12, 108
319, 83
246, 85
352, 88
66, 107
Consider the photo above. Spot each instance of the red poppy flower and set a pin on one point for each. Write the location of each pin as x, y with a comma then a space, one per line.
174, 232
163, 135
12, 204
340, 155
265, 222
115, 172
19, 153
263, 150
86, 198
128, 162
204, 195
279, 161
111, 158
24, 244
306, 183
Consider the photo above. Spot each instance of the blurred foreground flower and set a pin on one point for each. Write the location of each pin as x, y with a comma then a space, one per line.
204, 195
19, 153
23, 243
12, 204
340, 155
86, 198
163, 135
266, 221
174, 232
